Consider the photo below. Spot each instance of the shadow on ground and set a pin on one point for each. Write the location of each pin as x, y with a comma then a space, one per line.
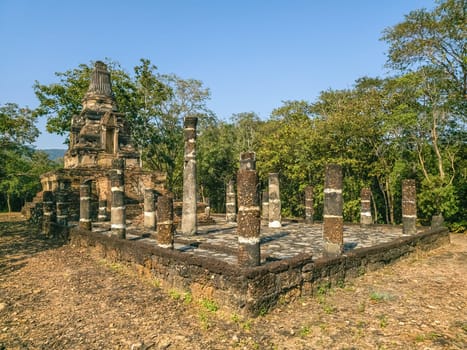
18, 241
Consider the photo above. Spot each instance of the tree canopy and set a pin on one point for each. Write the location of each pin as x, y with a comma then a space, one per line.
20, 165
409, 124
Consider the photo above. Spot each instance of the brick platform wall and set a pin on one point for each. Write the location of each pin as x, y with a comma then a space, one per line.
250, 291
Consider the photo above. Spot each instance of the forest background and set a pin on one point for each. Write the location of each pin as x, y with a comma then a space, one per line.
411, 124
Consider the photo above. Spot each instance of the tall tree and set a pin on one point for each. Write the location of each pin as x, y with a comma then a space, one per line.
217, 162
435, 39
189, 98
20, 165
17, 126
286, 148
430, 49
247, 126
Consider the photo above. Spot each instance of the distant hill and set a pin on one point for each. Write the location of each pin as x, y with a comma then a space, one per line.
54, 153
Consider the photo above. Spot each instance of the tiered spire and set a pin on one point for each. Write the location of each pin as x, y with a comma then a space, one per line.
100, 81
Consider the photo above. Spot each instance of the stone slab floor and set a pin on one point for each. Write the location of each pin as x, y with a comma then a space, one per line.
293, 238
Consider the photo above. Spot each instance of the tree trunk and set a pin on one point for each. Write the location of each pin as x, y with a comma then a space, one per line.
386, 206
375, 209
390, 202
8, 202
391, 208
434, 137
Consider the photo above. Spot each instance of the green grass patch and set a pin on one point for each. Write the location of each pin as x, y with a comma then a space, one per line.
209, 305
381, 296
383, 321
304, 331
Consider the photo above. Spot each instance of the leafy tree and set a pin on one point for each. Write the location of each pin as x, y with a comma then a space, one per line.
17, 132
217, 162
431, 50
293, 160
189, 98
435, 39
17, 127
349, 133
20, 165
247, 134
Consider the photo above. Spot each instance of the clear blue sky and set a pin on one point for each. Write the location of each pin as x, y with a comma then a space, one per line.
251, 54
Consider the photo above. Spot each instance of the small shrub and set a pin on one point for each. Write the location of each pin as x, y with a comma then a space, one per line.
263, 311
209, 305
380, 296
156, 283
187, 298
383, 321
323, 288
204, 320
304, 331
246, 325
117, 267
175, 295
328, 309
235, 318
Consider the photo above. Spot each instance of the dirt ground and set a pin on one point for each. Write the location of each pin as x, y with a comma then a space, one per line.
55, 296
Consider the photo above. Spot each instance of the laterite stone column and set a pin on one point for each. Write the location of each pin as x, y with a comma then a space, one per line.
102, 214
309, 210
189, 219
249, 220
230, 204
333, 222
265, 205
365, 208
409, 207
165, 225
149, 209
207, 208
48, 212
85, 206
62, 208
117, 209
274, 201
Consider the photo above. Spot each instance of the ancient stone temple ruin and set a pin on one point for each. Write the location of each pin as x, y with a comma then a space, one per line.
99, 135
243, 260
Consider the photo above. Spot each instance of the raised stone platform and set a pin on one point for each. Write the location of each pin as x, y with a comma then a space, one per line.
292, 261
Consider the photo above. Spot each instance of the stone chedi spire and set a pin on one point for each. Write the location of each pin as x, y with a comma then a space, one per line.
100, 133
100, 95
